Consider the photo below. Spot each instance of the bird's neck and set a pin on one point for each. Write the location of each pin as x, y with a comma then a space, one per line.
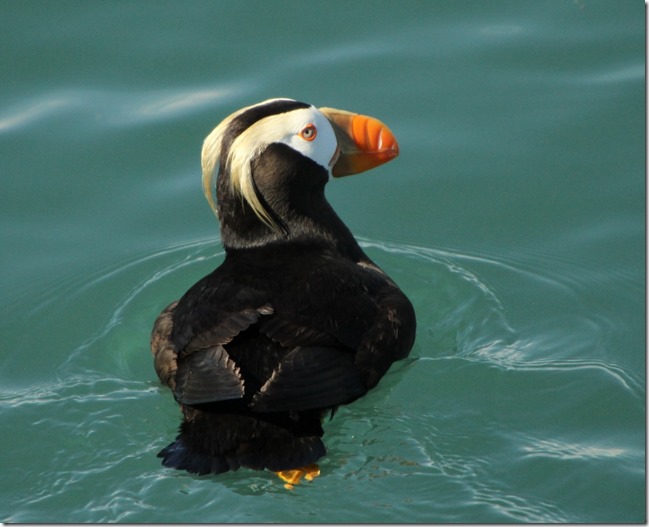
318, 227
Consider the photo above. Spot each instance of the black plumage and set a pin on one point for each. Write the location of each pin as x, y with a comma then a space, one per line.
295, 322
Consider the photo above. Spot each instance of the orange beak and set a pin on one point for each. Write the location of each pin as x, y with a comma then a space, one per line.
364, 142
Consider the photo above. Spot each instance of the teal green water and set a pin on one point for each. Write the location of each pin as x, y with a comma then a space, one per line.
514, 219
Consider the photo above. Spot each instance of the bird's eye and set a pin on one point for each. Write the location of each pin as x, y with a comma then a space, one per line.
309, 132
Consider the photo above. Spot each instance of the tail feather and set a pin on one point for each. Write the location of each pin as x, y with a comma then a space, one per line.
180, 456
213, 443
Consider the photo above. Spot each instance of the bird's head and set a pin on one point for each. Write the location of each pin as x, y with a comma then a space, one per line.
270, 162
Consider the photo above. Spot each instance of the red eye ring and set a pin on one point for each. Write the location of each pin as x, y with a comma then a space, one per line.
309, 132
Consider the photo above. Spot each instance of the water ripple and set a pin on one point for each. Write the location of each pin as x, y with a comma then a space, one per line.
28, 113
461, 314
118, 108
443, 418
566, 451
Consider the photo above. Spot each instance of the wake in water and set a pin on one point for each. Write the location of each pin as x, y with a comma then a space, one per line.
481, 392
461, 315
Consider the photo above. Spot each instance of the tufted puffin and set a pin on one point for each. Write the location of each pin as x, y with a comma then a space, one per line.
297, 320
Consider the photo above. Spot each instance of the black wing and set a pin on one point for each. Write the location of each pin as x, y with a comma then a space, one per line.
332, 332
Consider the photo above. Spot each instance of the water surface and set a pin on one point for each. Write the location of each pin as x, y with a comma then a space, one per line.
514, 219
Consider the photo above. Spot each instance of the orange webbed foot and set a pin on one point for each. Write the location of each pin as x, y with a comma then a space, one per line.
294, 476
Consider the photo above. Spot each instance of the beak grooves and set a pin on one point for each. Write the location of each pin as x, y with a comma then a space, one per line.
364, 142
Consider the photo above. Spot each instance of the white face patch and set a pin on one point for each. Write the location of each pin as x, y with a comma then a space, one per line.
321, 147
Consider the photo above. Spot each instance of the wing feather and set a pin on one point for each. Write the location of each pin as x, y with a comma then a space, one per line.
311, 377
208, 375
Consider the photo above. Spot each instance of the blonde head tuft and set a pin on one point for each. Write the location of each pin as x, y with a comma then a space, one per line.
243, 150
